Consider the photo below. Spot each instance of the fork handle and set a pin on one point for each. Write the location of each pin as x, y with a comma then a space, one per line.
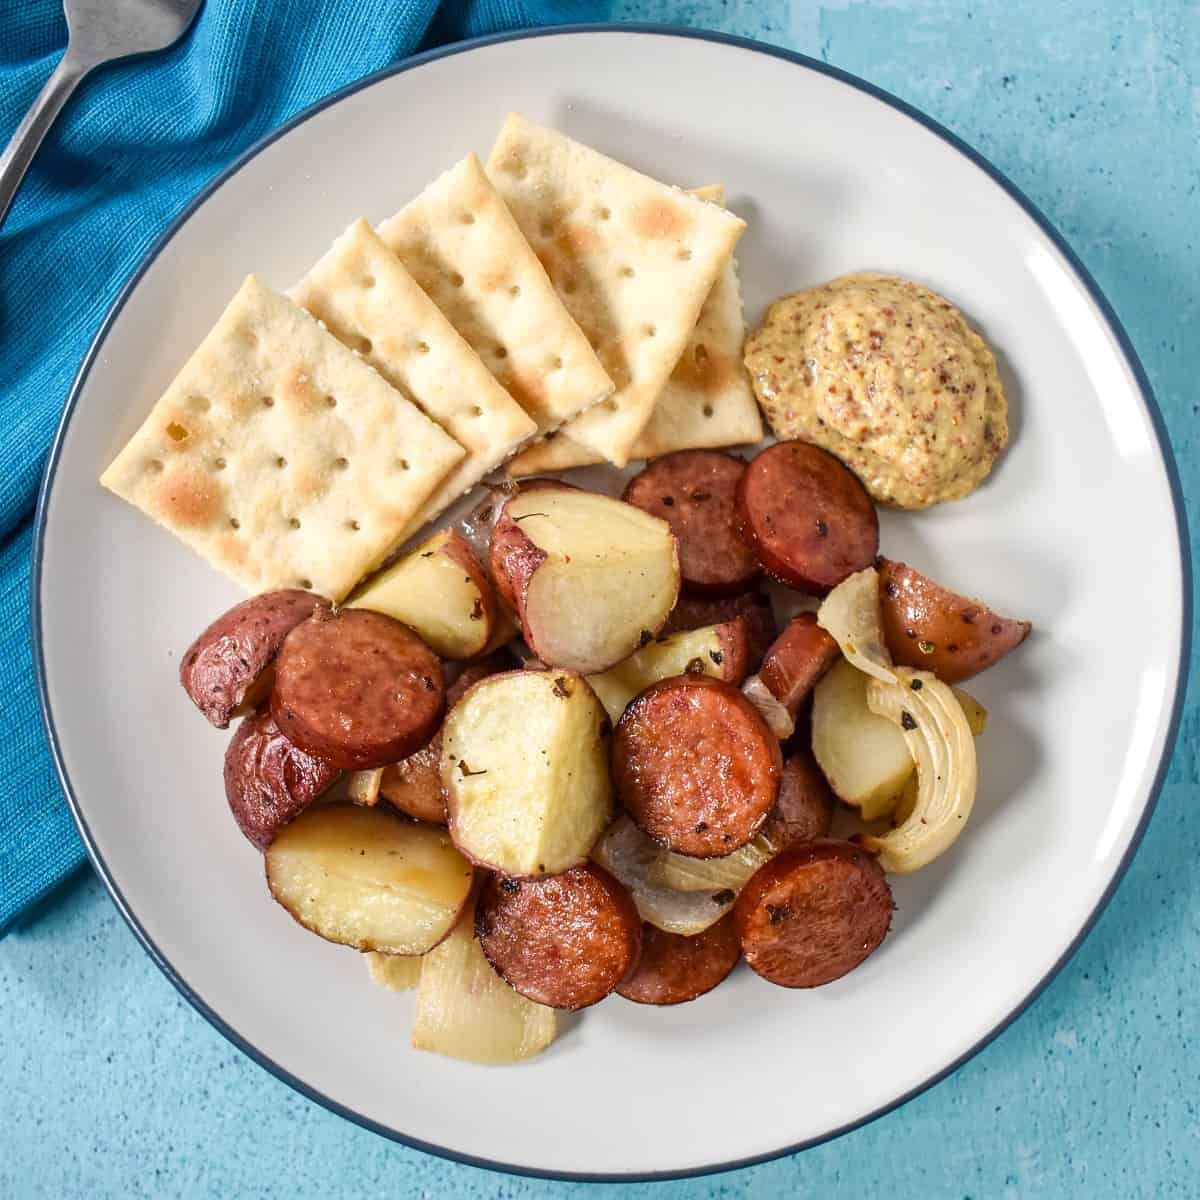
19, 152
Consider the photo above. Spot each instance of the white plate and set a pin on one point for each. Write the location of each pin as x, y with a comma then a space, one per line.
1078, 530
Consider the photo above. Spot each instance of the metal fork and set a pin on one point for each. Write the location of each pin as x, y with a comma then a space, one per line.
99, 32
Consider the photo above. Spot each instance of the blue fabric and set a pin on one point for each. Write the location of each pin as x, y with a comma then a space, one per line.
133, 146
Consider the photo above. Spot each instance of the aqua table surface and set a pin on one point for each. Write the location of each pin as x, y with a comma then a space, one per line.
114, 1086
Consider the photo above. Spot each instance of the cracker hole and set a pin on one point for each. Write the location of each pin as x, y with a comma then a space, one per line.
546, 228
422, 347
177, 432
684, 255
602, 214
341, 463
201, 403
331, 401
368, 281
293, 523
404, 464
708, 410
219, 465
625, 272
650, 330
234, 523
515, 167
250, 338
468, 218
456, 279
611, 405
281, 462
514, 291
306, 584
268, 401
154, 467
476, 411
501, 352
364, 345
556, 363
353, 525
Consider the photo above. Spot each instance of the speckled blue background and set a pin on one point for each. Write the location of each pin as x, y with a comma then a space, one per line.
113, 1086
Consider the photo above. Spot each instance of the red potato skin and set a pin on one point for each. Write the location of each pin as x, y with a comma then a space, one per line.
696, 766
674, 969
809, 519
693, 491
563, 940
414, 785
230, 661
934, 629
268, 781
813, 913
796, 660
803, 810
694, 612
458, 550
357, 688
512, 557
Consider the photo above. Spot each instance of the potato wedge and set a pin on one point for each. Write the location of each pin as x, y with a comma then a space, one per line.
933, 629
396, 972
721, 651
629, 855
227, 670
864, 756
525, 768
465, 1010
590, 577
442, 591
366, 878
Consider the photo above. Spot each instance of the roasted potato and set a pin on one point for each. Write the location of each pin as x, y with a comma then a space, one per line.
442, 591
367, 878
721, 651
864, 756
590, 578
933, 629
396, 972
227, 670
525, 768
269, 781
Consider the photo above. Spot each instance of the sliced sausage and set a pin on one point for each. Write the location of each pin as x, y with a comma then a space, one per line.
357, 688
796, 660
563, 940
414, 785
693, 491
803, 811
268, 780
507, 546
674, 969
807, 516
696, 766
228, 665
694, 612
813, 913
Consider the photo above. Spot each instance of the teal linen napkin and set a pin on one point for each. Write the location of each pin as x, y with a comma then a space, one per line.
133, 146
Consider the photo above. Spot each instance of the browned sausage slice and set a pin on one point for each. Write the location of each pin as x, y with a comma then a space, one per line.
563, 940
796, 660
357, 688
693, 491
674, 969
269, 781
813, 913
414, 785
803, 811
227, 666
696, 766
810, 520
694, 612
